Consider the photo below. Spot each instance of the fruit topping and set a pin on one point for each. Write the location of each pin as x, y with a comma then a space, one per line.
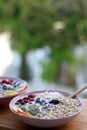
17, 103
31, 96
20, 100
54, 102
6, 81
4, 87
22, 103
41, 102
38, 100
26, 98
33, 109
31, 99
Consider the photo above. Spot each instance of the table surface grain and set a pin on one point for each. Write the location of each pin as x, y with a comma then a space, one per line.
9, 121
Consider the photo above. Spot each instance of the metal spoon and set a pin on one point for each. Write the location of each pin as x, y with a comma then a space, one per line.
78, 91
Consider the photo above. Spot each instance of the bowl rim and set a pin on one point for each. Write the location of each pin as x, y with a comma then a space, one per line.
11, 103
18, 79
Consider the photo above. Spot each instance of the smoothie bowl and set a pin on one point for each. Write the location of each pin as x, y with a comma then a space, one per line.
48, 108
11, 87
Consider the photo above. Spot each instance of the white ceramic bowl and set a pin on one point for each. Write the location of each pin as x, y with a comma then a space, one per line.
43, 122
4, 100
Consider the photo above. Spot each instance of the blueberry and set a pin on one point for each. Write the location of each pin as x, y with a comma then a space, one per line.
22, 103
30, 102
45, 103
14, 84
43, 100
17, 103
54, 102
18, 83
4, 87
38, 101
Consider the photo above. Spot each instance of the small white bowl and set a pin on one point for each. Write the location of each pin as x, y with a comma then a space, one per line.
43, 122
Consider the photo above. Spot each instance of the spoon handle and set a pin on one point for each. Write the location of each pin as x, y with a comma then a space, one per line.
78, 91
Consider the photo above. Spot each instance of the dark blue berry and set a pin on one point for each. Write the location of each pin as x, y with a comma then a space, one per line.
22, 103
43, 100
30, 102
54, 102
15, 84
17, 103
4, 87
38, 101
18, 84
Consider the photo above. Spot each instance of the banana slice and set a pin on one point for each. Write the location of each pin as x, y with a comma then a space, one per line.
10, 93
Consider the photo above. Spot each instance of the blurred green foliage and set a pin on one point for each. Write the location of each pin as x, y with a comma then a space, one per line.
49, 70
73, 34
31, 25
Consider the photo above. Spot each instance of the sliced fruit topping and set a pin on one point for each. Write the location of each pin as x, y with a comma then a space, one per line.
33, 109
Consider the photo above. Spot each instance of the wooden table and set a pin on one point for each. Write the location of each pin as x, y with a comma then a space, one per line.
8, 121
